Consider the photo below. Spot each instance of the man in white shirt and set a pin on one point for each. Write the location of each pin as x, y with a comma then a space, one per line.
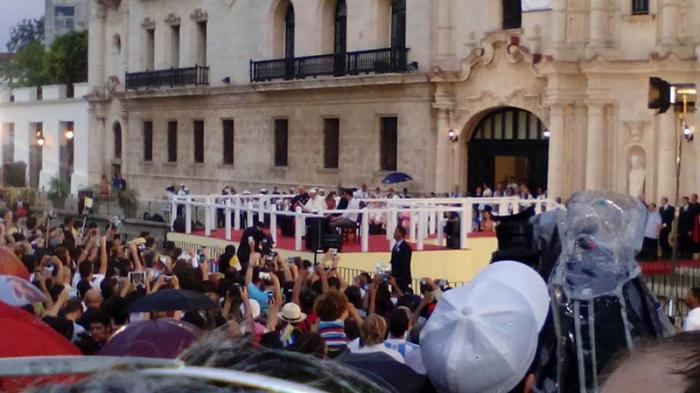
315, 204
347, 219
692, 300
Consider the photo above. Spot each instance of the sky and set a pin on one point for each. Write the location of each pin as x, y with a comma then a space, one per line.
13, 11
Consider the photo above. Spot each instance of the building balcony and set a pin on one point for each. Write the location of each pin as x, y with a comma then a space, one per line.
374, 61
189, 76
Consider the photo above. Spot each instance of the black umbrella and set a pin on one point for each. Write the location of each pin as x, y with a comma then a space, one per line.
172, 300
396, 177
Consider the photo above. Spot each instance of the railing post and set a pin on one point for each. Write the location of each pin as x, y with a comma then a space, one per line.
173, 211
207, 221
227, 220
364, 230
538, 206
503, 206
188, 215
516, 205
441, 226
469, 208
261, 209
298, 228
464, 223
393, 217
413, 217
249, 217
431, 219
237, 214
422, 217
273, 222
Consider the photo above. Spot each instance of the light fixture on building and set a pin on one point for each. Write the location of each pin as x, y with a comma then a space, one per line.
69, 134
453, 136
40, 140
546, 134
687, 132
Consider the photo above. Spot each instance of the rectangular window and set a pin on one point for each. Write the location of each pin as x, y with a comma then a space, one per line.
172, 141
150, 49
281, 139
228, 141
198, 141
8, 143
331, 143
148, 141
512, 14
202, 43
64, 11
640, 7
175, 46
389, 143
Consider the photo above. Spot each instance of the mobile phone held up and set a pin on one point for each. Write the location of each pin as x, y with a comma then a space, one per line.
137, 278
270, 297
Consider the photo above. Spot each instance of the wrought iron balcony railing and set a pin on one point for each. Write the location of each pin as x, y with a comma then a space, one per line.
197, 75
377, 61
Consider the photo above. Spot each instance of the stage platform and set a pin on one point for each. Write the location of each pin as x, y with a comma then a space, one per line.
435, 261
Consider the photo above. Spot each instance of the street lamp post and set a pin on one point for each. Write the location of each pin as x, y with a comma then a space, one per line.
454, 138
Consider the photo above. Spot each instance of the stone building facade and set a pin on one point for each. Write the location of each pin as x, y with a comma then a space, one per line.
556, 95
64, 16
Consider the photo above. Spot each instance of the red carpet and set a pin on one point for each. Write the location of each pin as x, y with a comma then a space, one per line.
664, 268
377, 243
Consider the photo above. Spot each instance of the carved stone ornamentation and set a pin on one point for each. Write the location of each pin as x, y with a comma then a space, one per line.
148, 24
172, 20
198, 15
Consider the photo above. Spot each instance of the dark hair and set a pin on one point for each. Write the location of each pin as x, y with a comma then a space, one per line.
102, 318
73, 305
85, 269
55, 291
331, 305
334, 282
398, 323
311, 344
696, 292
402, 230
354, 296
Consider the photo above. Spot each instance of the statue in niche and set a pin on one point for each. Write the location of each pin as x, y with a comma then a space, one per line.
637, 176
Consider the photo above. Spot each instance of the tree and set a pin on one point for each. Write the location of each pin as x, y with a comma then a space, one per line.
27, 69
24, 33
67, 60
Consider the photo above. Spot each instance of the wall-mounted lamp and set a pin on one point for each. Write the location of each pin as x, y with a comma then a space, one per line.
40, 140
546, 134
688, 132
453, 136
69, 134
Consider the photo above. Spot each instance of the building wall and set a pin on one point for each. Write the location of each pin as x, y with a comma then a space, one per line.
58, 23
53, 111
582, 67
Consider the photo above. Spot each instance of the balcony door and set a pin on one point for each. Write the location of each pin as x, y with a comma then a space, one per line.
289, 41
398, 33
341, 23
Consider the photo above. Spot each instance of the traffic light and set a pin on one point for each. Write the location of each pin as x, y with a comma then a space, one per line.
659, 94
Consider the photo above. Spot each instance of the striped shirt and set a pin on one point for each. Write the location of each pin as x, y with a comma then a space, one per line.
333, 333
401, 346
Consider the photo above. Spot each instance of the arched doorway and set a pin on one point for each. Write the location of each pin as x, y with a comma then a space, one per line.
508, 142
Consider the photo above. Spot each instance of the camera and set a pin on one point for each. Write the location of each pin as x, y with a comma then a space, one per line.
137, 278
168, 278
264, 276
270, 297
334, 252
291, 260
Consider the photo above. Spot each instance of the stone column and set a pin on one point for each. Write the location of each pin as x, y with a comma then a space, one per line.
558, 23
595, 147
96, 45
667, 145
669, 21
598, 21
443, 166
557, 162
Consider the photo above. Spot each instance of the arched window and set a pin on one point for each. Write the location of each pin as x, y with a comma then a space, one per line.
512, 14
289, 32
117, 141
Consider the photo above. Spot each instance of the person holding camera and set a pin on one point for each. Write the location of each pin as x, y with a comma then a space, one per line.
263, 286
401, 260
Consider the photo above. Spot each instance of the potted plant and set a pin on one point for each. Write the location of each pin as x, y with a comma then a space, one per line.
59, 190
128, 202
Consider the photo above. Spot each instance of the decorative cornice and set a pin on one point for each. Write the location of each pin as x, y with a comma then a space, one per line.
199, 16
148, 24
172, 20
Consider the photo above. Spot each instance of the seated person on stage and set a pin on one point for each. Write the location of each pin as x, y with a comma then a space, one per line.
349, 219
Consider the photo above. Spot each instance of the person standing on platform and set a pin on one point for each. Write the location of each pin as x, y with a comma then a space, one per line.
667, 213
650, 247
686, 219
401, 259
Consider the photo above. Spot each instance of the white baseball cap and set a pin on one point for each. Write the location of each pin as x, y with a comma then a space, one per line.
482, 337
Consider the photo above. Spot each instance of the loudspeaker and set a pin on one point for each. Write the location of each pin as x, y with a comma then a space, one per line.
332, 240
314, 233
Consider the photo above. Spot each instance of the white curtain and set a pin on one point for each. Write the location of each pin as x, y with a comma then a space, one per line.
536, 5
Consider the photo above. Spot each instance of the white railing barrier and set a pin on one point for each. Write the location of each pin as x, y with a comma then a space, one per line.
426, 216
